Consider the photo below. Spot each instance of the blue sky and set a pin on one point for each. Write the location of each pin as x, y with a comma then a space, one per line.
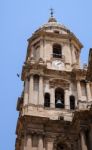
18, 20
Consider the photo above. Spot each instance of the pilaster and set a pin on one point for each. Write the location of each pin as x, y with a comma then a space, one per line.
22, 144
49, 144
26, 92
29, 143
31, 89
79, 90
41, 97
90, 138
67, 101
40, 142
83, 141
73, 56
52, 103
41, 48
88, 91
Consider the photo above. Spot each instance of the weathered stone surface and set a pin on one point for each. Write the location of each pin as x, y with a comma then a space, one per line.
55, 107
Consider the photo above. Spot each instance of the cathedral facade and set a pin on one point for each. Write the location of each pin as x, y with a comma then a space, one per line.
55, 106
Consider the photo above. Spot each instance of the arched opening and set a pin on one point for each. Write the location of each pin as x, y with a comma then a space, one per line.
87, 139
83, 87
59, 98
36, 82
47, 100
72, 102
56, 31
61, 146
57, 51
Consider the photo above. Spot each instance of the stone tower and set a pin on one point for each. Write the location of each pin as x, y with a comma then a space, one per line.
54, 88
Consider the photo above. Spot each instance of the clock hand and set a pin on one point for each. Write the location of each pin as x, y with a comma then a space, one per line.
58, 63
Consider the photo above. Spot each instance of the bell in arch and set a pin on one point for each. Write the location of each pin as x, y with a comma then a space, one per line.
59, 104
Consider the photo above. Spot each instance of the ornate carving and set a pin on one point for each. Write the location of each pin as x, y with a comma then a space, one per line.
60, 83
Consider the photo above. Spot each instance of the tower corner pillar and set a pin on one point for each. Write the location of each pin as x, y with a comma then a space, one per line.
52, 92
67, 101
26, 92
41, 97
40, 142
79, 90
88, 91
31, 89
83, 141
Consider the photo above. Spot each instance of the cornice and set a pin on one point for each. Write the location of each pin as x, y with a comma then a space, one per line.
39, 125
69, 36
32, 68
41, 69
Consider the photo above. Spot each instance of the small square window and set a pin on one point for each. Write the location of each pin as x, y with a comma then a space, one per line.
56, 31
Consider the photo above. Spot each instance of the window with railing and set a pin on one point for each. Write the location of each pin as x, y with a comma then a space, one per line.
57, 51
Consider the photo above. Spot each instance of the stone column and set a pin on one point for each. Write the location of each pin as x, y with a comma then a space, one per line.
52, 99
88, 91
26, 92
31, 90
66, 99
24, 147
41, 97
49, 145
79, 144
83, 141
79, 90
32, 52
22, 144
40, 143
90, 138
29, 143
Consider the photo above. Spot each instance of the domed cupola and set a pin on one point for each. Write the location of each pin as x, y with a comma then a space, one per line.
56, 45
52, 19
53, 26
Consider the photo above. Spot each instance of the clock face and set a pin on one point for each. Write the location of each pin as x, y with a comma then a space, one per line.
58, 64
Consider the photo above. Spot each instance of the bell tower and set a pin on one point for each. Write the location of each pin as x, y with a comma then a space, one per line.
54, 87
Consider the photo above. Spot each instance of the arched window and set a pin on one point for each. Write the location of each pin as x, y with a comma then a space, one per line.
59, 98
72, 102
83, 87
57, 51
36, 82
87, 136
61, 146
47, 100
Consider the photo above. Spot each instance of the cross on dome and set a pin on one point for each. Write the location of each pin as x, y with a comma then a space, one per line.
52, 12
52, 18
